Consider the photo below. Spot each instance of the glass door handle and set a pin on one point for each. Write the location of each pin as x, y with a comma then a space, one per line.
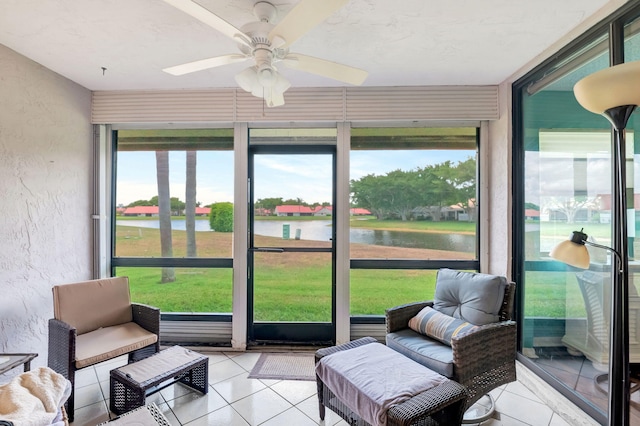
267, 249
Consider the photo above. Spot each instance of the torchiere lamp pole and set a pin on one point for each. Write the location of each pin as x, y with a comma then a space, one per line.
615, 92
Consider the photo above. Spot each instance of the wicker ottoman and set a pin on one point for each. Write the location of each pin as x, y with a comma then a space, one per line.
132, 383
442, 405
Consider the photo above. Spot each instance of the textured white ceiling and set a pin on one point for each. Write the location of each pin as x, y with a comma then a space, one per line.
400, 42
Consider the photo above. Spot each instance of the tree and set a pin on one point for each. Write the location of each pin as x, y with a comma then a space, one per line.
398, 193
403, 192
164, 204
190, 205
177, 206
437, 191
532, 206
268, 204
463, 178
141, 203
294, 202
366, 194
571, 205
221, 217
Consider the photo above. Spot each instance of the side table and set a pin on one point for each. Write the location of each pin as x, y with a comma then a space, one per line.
9, 361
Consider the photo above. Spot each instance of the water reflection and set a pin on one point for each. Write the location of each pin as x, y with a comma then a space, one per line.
320, 230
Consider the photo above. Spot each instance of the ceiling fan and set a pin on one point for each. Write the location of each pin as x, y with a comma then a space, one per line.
268, 44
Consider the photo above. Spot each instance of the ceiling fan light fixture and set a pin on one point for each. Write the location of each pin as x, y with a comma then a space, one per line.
267, 76
248, 79
281, 84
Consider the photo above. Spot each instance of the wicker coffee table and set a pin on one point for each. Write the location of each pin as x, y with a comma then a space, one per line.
441, 405
132, 383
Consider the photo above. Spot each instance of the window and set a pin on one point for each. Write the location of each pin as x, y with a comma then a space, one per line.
414, 210
563, 184
174, 217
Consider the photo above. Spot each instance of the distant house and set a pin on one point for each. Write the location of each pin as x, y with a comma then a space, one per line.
142, 211
531, 214
153, 211
289, 210
359, 212
203, 211
260, 211
322, 210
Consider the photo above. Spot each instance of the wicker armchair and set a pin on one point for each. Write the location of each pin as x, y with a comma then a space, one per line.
95, 321
481, 359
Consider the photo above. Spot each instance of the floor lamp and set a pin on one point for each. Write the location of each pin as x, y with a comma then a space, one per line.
613, 92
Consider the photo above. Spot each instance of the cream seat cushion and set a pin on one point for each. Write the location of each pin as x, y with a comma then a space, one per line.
110, 342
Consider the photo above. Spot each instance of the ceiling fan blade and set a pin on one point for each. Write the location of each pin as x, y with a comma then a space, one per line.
200, 13
325, 68
205, 64
302, 18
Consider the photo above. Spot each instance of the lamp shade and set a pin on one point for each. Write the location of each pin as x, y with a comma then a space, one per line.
571, 253
609, 88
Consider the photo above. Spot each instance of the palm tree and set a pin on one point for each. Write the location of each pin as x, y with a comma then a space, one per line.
164, 204
190, 213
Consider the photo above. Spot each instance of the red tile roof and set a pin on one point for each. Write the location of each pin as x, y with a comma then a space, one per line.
142, 210
360, 211
293, 209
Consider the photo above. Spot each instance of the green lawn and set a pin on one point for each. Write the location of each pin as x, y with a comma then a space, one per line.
415, 225
305, 294
281, 295
298, 289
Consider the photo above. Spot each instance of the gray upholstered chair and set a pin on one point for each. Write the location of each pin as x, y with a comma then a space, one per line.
95, 321
466, 333
593, 342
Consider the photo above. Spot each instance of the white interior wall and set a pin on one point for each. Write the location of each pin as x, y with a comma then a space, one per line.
45, 201
497, 227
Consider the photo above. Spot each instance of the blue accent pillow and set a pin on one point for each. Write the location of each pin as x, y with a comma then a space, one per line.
438, 325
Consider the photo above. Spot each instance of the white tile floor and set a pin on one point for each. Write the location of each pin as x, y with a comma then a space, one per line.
235, 400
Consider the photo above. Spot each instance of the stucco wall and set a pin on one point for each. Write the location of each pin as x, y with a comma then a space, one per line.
45, 187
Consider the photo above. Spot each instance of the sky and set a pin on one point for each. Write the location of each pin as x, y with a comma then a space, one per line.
288, 176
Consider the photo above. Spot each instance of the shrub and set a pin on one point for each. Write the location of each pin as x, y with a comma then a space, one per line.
221, 217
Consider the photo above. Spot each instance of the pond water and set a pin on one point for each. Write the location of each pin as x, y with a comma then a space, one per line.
320, 230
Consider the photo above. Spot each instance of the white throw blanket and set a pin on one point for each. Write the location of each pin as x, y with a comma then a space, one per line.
33, 398
372, 378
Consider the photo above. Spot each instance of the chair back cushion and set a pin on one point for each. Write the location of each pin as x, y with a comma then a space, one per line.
473, 297
90, 305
